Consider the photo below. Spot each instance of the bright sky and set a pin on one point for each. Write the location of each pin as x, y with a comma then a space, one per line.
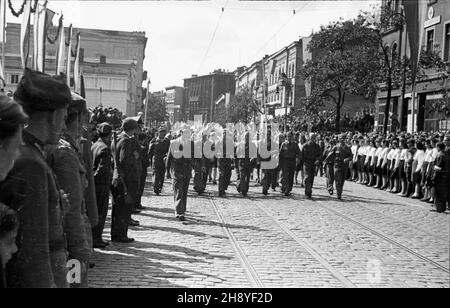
179, 32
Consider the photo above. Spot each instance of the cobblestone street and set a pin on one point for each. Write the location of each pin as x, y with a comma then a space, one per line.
369, 239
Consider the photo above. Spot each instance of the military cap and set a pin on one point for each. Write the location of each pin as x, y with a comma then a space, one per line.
129, 124
77, 104
42, 92
104, 128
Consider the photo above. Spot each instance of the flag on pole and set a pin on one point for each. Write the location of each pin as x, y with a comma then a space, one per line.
45, 19
76, 67
69, 57
82, 89
2, 41
36, 37
24, 35
415, 18
61, 52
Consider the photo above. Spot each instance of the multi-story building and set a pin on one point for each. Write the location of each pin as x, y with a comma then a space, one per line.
110, 61
174, 101
429, 88
201, 93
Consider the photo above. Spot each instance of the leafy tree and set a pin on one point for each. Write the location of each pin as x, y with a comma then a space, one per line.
156, 111
242, 107
341, 63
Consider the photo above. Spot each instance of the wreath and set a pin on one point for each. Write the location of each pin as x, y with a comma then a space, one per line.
60, 25
22, 7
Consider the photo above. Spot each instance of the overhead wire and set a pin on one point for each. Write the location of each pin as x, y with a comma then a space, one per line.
295, 11
213, 36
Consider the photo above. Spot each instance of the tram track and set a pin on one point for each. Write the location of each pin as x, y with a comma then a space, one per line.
247, 266
380, 235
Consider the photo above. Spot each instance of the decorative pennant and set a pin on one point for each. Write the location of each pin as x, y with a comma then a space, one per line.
24, 35
69, 57
61, 52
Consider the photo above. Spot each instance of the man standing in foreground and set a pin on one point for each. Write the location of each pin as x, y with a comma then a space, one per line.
311, 154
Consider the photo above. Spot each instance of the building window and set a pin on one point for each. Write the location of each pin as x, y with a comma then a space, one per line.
430, 40
447, 43
102, 59
14, 79
394, 54
81, 56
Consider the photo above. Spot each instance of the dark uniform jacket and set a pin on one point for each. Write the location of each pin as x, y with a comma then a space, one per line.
336, 156
311, 153
32, 191
90, 195
102, 162
289, 151
65, 161
126, 169
158, 150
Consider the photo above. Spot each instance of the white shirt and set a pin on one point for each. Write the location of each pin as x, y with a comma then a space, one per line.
427, 157
419, 157
370, 152
384, 154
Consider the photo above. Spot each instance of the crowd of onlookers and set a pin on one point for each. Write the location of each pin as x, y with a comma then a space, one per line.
324, 121
109, 115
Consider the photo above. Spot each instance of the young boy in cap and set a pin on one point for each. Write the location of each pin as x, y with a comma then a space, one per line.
31, 186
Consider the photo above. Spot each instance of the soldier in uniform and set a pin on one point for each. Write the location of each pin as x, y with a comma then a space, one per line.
157, 153
268, 172
179, 163
289, 154
224, 163
125, 183
339, 156
200, 167
329, 165
311, 157
101, 150
441, 176
31, 188
243, 153
66, 161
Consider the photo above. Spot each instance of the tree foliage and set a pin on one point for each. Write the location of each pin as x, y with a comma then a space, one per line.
156, 111
242, 108
342, 63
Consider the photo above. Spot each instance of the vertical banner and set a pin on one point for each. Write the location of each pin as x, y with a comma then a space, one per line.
76, 67
36, 36
2, 41
41, 37
61, 52
24, 36
69, 57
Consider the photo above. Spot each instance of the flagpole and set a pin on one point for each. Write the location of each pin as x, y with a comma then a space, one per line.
4, 37
146, 102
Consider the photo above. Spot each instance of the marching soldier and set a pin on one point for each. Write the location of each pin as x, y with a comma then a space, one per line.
125, 183
289, 154
66, 162
32, 187
329, 165
265, 153
224, 163
200, 167
311, 157
144, 144
101, 150
243, 155
339, 156
179, 163
159, 147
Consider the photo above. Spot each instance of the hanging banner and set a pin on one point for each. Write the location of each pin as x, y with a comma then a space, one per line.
24, 35
69, 57
76, 67
2, 41
35, 36
61, 52
42, 35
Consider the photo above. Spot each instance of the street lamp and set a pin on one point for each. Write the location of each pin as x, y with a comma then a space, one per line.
285, 82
